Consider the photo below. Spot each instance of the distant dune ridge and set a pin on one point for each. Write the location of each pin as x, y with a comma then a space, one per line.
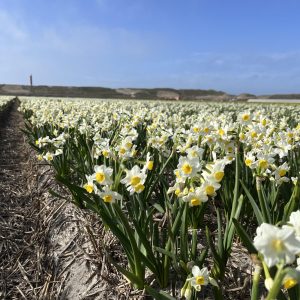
102, 92
131, 93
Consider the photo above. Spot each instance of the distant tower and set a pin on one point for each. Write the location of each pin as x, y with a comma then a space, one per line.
30, 78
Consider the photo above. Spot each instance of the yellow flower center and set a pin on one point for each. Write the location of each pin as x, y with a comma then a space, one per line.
206, 130
187, 168
246, 117
89, 188
122, 151
139, 187
264, 122
253, 134
281, 172
100, 177
221, 131
128, 145
248, 162
177, 192
49, 157
200, 280
289, 283
107, 198
210, 190
242, 136
219, 175
278, 245
195, 202
196, 129
150, 165
105, 153
263, 164
135, 180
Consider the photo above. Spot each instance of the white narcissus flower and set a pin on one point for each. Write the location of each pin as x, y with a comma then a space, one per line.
210, 187
48, 156
134, 180
250, 160
196, 198
108, 195
102, 175
264, 160
194, 152
42, 141
280, 173
201, 277
245, 117
276, 244
295, 222
149, 163
188, 168
90, 186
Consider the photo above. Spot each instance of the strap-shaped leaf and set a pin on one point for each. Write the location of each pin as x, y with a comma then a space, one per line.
244, 237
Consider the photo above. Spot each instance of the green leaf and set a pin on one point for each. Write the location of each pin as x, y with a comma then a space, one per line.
159, 208
229, 233
129, 275
158, 295
165, 252
257, 212
244, 237
55, 194
293, 203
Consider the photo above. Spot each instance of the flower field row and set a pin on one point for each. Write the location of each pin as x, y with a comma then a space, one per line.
4, 100
178, 183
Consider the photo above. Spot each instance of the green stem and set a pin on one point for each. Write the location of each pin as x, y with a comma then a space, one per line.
236, 183
256, 279
263, 205
277, 284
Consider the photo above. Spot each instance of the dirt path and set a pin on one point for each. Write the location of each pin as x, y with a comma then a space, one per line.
17, 210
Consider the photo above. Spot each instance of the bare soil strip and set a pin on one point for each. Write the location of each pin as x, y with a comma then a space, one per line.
17, 222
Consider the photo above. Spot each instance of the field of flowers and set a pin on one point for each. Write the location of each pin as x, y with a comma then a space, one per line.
178, 183
4, 101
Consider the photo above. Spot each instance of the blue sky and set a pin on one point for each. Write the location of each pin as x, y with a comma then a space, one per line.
231, 45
